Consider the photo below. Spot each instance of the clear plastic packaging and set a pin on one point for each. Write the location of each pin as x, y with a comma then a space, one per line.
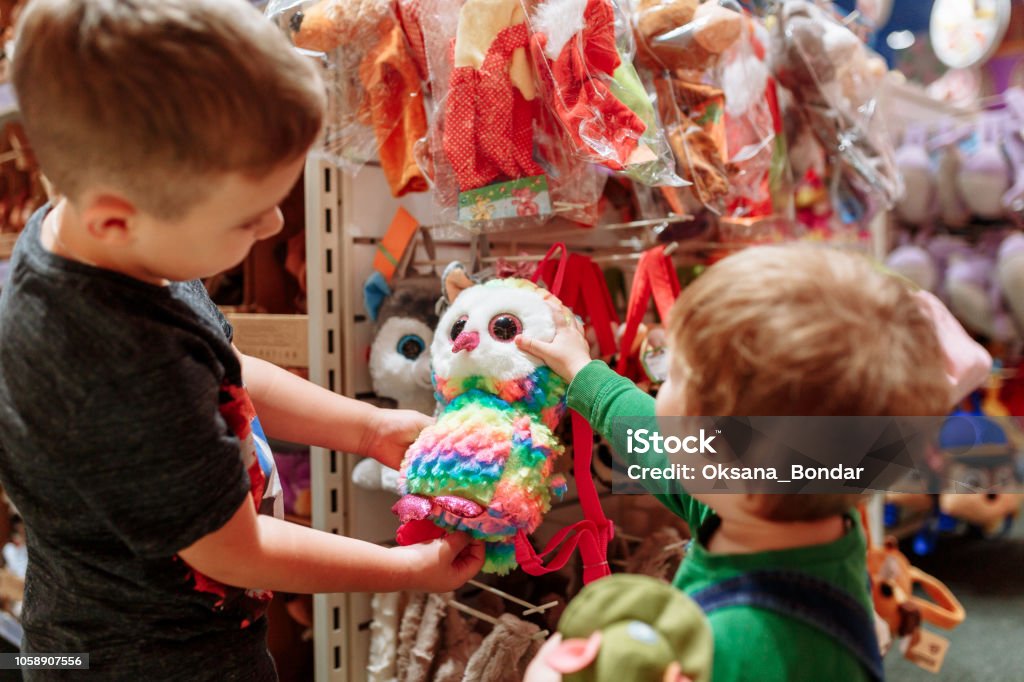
716, 98
583, 54
835, 79
373, 75
760, 181
496, 155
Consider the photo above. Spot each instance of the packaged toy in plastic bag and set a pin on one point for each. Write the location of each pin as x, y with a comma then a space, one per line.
760, 184
583, 51
680, 42
718, 101
488, 119
374, 77
834, 79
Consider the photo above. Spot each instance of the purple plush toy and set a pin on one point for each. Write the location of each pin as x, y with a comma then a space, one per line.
1013, 200
985, 177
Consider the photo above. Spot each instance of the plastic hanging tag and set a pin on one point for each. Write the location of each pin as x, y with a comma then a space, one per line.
654, 356
925, 649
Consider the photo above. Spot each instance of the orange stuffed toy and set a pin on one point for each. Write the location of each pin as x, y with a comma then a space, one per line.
389, 72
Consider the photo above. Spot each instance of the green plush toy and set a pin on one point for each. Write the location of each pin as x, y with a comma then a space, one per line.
627, 627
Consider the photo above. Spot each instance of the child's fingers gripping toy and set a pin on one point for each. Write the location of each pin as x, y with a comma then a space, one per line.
627, 627
486, 466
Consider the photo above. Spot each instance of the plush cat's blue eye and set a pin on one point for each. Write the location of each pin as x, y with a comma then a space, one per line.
411, 346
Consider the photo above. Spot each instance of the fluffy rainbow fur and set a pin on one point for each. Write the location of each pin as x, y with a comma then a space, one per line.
493, 441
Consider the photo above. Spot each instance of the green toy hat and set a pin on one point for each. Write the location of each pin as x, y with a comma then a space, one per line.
645, 625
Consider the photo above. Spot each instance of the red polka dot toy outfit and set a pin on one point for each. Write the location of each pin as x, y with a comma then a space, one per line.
488, 130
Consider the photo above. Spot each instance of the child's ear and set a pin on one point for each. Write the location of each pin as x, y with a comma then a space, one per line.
108, 217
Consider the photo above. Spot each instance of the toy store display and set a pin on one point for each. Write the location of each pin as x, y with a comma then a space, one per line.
989, 462
960, 172
834, 79
498, 152
487, 465
735, 127
893, 584
402, 303
374, 78
647, 361
583, 55
678, 42
516, 112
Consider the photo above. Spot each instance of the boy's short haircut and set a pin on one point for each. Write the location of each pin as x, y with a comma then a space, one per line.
799, 330
150, 98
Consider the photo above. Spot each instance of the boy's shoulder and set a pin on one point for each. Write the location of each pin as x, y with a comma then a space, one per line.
71, 334
56, 311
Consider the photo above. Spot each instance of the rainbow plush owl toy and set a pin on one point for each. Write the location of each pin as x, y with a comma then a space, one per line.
486, 466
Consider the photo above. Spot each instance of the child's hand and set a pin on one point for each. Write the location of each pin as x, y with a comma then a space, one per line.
444, 564
567, 353
390, 433
968, 364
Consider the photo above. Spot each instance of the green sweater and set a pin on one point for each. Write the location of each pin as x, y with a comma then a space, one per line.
750, 643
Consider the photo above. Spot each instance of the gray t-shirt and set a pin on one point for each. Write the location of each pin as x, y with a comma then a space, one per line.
125, 436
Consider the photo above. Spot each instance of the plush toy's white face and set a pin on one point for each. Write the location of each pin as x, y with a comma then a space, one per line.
400, 363
475, 335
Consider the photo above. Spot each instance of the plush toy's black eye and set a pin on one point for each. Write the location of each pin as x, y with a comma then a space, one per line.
411, 346
457, 328
505, 327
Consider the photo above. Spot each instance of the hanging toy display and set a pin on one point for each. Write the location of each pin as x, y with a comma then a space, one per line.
914, 163
1013, 200
983, 450
894, 583
486, 465
975, 296
761, 185
985, 176
374, 83
402, 304
834, 79
679, 42
583, 50
494, 150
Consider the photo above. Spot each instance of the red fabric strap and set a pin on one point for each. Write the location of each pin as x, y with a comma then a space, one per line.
655, 277
591, 535
546, 263
573, 278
